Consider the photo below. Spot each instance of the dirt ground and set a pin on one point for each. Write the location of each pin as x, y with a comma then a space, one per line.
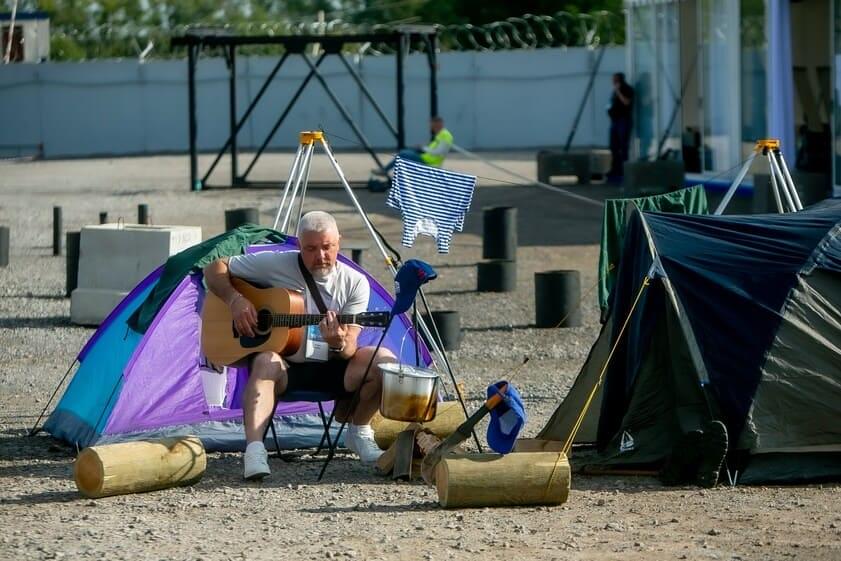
352, 513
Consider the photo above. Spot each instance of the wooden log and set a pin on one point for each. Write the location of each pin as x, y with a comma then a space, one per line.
522, 478
134, 467
426, 441
449, 416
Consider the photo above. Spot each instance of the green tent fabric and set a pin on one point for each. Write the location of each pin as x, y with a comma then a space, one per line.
232, 242
692, 200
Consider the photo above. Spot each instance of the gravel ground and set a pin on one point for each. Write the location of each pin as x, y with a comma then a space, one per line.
352, 513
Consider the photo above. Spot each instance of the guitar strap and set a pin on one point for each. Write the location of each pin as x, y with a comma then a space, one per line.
316, 347
311, 286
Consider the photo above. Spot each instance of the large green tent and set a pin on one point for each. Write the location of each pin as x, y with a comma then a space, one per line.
737, 319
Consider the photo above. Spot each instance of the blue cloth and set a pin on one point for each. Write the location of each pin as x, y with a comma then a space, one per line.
408, 281
406, 154
433, 201
507, 418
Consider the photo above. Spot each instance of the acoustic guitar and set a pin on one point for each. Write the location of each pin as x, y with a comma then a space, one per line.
280, 319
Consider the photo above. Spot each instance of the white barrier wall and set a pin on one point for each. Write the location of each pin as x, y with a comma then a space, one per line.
512, 99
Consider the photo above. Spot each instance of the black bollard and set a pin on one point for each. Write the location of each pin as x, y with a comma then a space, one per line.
4, 246
497, 275
57, 228
557, 299
356, 256
143, 214
239, 216
448, 323
103, 218
72, 271
499, 233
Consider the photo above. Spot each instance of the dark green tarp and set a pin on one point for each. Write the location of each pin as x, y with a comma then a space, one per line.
692, 200
232, 242
740, 323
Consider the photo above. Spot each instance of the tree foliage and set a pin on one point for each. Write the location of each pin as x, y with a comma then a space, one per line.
123, 28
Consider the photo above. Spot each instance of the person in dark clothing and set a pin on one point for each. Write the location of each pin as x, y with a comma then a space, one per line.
620, 112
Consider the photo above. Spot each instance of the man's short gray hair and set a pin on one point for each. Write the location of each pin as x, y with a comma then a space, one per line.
317, 221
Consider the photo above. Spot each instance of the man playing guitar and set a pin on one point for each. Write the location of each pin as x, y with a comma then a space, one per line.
329, 360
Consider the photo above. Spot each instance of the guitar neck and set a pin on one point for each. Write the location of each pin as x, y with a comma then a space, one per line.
300, 320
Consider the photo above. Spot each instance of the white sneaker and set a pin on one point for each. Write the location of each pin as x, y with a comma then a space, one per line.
360, 440
256, 462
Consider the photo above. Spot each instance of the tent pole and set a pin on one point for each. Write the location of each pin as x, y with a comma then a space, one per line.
35, 430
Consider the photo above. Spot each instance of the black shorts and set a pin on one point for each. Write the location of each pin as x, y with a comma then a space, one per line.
326, 376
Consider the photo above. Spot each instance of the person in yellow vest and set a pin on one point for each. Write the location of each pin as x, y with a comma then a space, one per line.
432, 154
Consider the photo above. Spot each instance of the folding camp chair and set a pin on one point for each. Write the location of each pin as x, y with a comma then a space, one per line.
310, 397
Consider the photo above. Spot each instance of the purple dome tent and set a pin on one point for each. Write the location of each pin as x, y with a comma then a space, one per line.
131, 385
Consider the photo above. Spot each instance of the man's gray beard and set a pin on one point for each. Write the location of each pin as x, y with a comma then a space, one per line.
322, 272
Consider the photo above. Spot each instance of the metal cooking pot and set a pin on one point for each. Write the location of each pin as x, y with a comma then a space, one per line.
410, 393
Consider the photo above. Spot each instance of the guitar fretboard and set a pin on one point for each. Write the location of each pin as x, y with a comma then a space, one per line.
300, 320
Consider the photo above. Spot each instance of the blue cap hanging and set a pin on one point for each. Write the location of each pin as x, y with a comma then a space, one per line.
408, 281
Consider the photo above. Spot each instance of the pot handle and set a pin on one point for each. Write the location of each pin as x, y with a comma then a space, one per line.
403, 342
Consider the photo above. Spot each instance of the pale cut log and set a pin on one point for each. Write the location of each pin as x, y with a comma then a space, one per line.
517, 479
449, 416
135, 467
426, 441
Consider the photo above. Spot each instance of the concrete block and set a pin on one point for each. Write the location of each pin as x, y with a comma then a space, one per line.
652, 178
113, 258
552, 163
90, 306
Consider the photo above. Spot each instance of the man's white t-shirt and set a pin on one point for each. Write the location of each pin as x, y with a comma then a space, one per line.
345, 290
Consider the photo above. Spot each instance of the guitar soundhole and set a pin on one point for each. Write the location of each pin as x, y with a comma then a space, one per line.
264, 321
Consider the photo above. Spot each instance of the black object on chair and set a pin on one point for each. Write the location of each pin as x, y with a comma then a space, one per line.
310, 397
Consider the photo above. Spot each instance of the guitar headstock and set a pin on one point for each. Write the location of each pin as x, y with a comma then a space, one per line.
373, 319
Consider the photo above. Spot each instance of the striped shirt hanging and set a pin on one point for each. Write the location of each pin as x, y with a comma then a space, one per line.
433, 201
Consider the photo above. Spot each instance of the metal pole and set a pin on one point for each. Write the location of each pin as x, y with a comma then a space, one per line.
362, 86
583, 103
778, 175
195, 184
232, 104
787, 175
446, 361
776, 190
678, 102
401, 110
303, 192
288, 183
302, 172
432, 57
388, 260
247, 114
735, 185
345, 114
286, 111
